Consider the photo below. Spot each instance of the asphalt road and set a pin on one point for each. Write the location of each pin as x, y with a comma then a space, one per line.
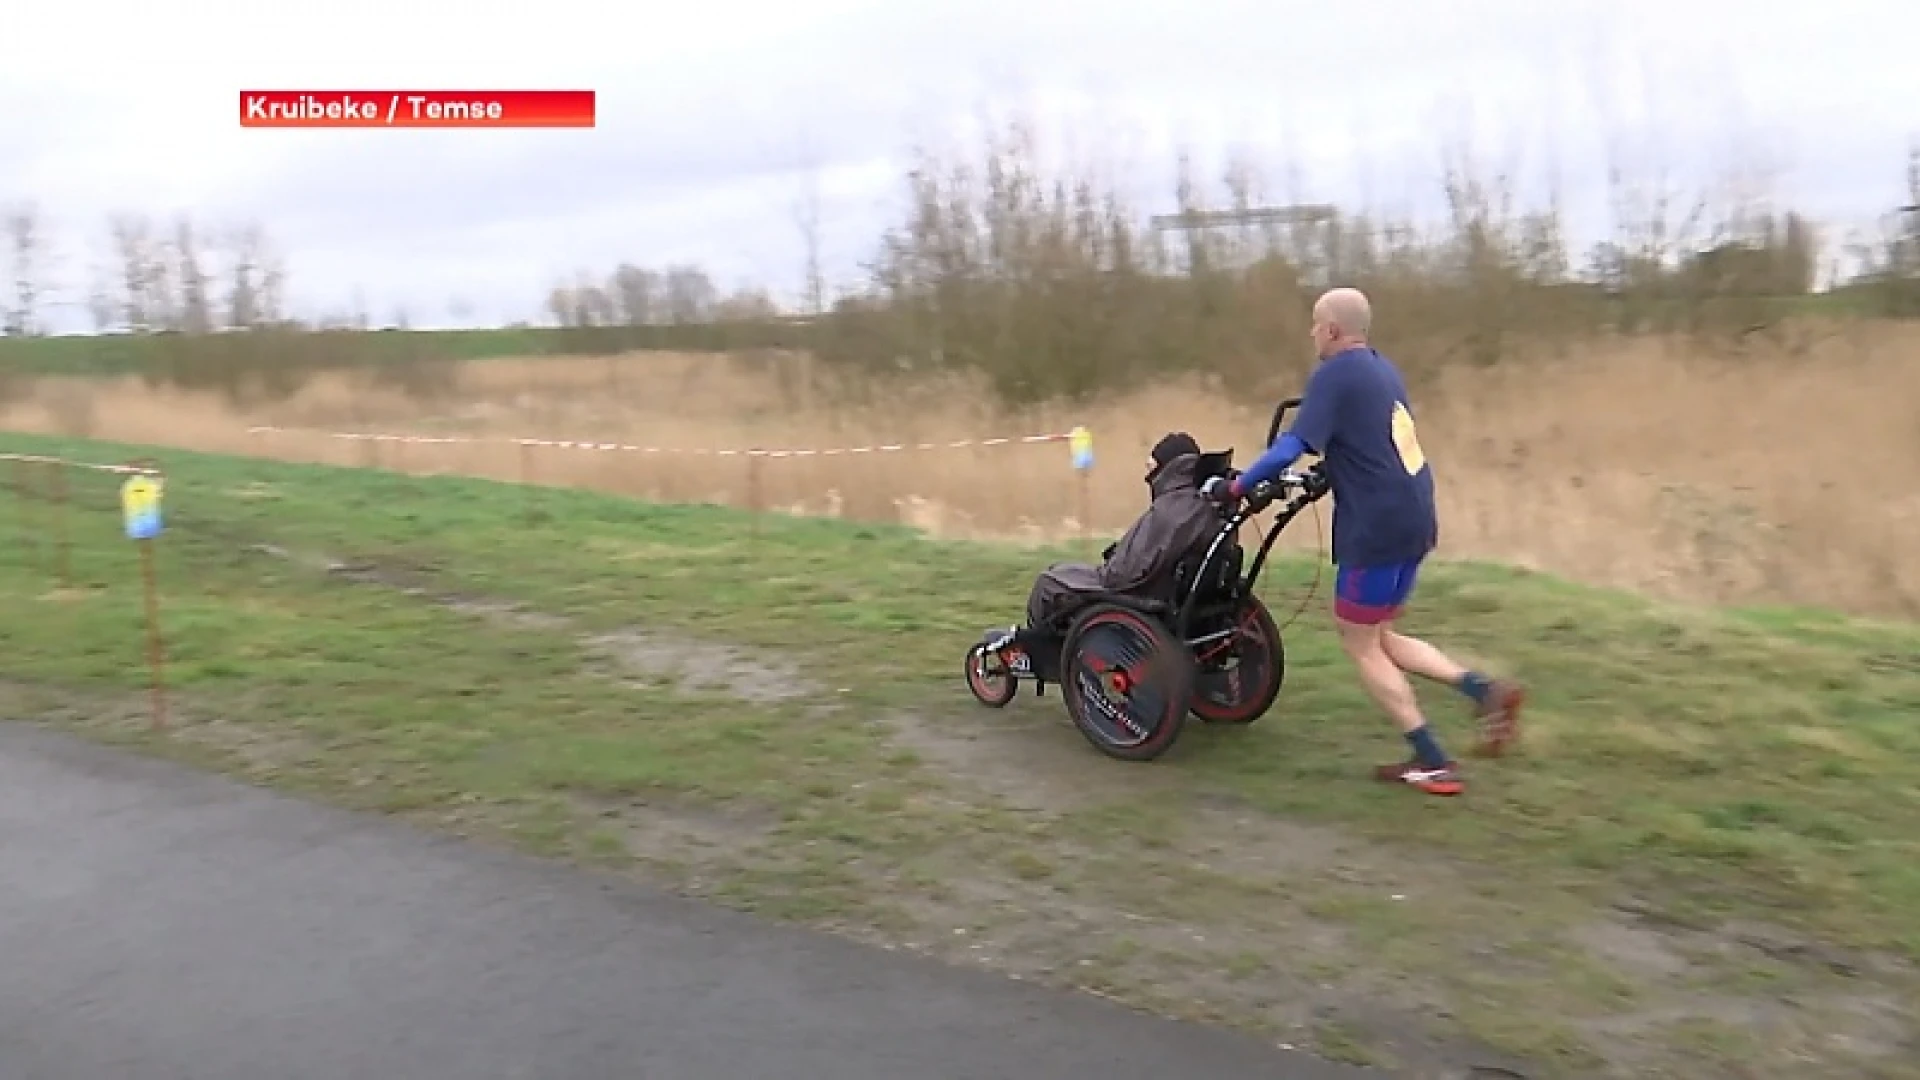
157, 923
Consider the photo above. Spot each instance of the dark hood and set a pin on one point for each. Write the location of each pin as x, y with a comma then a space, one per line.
1174, 475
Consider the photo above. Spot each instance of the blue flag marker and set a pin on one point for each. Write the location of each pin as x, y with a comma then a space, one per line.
140, 507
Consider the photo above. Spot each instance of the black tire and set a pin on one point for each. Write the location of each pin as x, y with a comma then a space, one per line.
1244, 694
996, 687
1108, 641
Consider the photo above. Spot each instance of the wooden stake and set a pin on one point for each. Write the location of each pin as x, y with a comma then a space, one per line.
753, 490
60, 523
526, 480
1086, 512
23, 486
156, 657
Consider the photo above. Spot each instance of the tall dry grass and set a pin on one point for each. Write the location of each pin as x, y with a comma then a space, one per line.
1781, 476
1672, 411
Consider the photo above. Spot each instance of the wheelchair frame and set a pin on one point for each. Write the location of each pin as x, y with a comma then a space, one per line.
1100, 701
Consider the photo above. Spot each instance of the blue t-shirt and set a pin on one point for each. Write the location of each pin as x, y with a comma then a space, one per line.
1356, 416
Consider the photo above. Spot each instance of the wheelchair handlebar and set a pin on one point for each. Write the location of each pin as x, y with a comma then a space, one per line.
1280, 418
1310, 483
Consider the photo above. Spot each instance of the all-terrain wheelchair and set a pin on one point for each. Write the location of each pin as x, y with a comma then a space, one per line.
1132, 668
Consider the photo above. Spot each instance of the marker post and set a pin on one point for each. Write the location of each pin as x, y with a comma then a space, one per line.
1080, 441
140, 510
61, 540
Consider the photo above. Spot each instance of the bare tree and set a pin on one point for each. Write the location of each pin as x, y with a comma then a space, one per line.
24, 235
806, 212
560, 305
637, 294
690, 295
132, 238
162, 282
745, 304
101, 305
252, 287
592, 306
196, 309
273, 286
1904, 251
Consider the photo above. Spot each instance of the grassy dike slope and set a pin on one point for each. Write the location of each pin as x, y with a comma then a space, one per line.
1704, 860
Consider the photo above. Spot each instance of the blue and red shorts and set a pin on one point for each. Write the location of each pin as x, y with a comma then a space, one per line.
1373, 594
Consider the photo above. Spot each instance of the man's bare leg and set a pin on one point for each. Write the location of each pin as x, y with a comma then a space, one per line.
1429, 770
1416, 657
1496, 701
1380, 674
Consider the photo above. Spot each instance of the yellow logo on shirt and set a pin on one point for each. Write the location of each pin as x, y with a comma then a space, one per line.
1407, 441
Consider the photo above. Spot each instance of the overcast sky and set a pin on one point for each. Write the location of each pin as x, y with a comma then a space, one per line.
713, 115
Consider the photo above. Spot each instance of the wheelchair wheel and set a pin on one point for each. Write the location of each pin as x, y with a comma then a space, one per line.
1127, 682
989, 680
1242, 690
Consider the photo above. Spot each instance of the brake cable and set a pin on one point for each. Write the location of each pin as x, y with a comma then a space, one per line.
1319, 568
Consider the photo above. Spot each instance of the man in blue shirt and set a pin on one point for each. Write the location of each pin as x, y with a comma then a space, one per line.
1356, 415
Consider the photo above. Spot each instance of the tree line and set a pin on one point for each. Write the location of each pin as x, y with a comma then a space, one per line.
1050, 283
160, 276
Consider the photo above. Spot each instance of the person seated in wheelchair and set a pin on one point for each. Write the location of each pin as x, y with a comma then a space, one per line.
1142, 563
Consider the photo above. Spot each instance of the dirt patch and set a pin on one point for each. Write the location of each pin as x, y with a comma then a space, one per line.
1773, 942
416, 581
1739, 982
501, 613
644, 657
1247, 844
259, 748
1025, 760
1179, 932
1353, 950
697, 666
1634, 951
677, 831
307, 559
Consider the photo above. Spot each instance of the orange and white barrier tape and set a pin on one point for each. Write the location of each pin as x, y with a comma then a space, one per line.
579, 444
41, 459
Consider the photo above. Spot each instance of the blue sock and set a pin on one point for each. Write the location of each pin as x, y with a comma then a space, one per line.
1475, 686
1425, 750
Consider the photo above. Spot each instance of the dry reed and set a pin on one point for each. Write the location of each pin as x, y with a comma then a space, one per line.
1777, 477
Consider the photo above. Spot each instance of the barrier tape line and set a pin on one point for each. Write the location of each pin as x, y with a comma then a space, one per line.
40, 459
579, 444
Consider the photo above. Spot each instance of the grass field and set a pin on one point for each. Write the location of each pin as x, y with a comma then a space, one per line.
1703, 864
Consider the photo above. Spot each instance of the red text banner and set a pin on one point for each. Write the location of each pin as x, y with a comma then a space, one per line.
417, 108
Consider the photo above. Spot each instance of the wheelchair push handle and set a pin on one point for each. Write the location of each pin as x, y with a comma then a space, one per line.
1280, 418
1266, 492
1310, 484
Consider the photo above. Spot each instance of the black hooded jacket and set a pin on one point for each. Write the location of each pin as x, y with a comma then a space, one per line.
1179, 520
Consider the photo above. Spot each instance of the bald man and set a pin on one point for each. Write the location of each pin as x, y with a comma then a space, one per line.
1356, 415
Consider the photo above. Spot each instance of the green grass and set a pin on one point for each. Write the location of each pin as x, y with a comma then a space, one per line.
1701, 796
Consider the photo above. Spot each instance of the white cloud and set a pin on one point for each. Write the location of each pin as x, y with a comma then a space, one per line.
704, 110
